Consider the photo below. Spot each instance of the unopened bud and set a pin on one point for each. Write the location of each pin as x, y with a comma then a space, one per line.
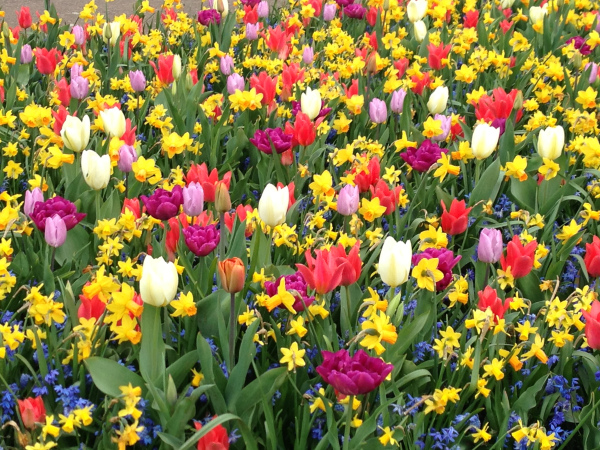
220, 6
189, 83
171, 392
386, 5
577, 60
222, 198
371, 67
518, 104
6, 31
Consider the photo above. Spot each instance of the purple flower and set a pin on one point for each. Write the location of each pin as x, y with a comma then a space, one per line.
281, 141
79, 87
500, 124
308, 55
127, 156
163, 204
251, 3
226, 65
209, 16
355, 11
359, 374
329, 12
446, 261
422, 158
397, 103
579, 44
348, 198
56, 231
446, 125
137, 80
79, 34
294, 283
26, 54
252, 31
377, 111
343, 3
201, 240
76, 71
593, 71
31, 198
235, 82
490, 245
263, 9
193, 199
59, 206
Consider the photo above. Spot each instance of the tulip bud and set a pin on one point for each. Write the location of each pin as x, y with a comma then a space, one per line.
96, 169
518, 104
127, 156
232, 274
189, 83
222, 198
174, 88
159, 281
386, 5
395, 260
111, 32
329, 11
6, 33
251, 31
420, 30
551, 142
397, 103
176, 67
171, 392
310, 103
113, 121
490, 246
416, 10
536, 13
348, 199
308, 55
593, 71
273, 205
577, 60
235, 82
31, 198
507, 4
371, 66
79, 34
79, 88
222, 6
26, 54
193, 199
226, 65
263, 9
137, 80
484, 141
377, 111
438, 100
75, 133
55, 233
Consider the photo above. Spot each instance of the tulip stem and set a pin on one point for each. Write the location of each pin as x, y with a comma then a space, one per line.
52, 259
97, 206
222, 236
232, 333
348, 422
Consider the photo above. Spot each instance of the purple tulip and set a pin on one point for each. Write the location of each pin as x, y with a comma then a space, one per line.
490, 246
263, 9
499, 123
593, 71
251, 3
201, 240
355, 11
163, 204
56, 231
296, 285
329, 11
209, 16
193, 199
76, 71
377, 111
397, 103
226, 65
137, 80
446, 261
356, 375
280, 141
79, 34
252, 31
55, 205
127, 156
308, 54
31, 198
80, 87
446, 125
343, 3
348, 198
422, 158
235, 82
26, 54
579, 44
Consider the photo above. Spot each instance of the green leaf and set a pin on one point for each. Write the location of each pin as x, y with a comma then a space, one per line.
238, 375
489, 184
152, 351
78, 239
250, 395
527, 399
180, 369
108, 375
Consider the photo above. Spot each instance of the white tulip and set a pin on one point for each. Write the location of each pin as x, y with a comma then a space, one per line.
159, 281
484, 141
394, 262
506, 3
273, 205
96, 169
420, 30
222, 6
438, 100
310, 103
176, 67
416, 10
75, 133
536, 14
551, 142
111, 32
113, 121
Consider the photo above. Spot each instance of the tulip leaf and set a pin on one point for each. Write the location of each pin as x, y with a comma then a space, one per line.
152, 351
111, 207
407, 335
251, 394
108, 375
489, 184
180, 369
246, 353
524, 193
207, 362
527, 399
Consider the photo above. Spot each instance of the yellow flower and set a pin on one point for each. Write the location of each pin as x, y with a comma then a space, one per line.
516, 168
146, 170
355, 103
293, 356
378, 328
568, 231
13, 170
549, 169
427, 274
173, 144
494, 368
371, 209
433, 238
243, 100
387, 437
342, 123
432, 127
587, 98
184, 305
403, 143
322, 184
445, 168
481, 434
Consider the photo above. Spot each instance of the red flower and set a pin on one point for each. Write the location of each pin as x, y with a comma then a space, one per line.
505, 25
290, 75
199, 173
365, 179
317, 6
250, 14
471, 19
401, 65
164, 72
456, 220
241, 212
264, 85
372, 16
64, 93
349, 265
323, 273
387, 197
24, 17
32, 410
518, 257
133, 205
215, 439
45, 60
303, 131
59, 119
421, 82
352, 90
497, 106
592, 325
173, 232
488, 298
592, 257
436, 54
129, 135
277, 41
90, 307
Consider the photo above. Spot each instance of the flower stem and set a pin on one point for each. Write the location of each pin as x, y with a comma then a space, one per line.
52, 259
232, 333
222, 236
348, 422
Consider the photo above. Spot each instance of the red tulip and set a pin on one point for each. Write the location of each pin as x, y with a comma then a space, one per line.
372, 16
349, 265
592, 257
59, 119
291, 190
199, 173
133, 205
497, 106
24, 17
32, 411
173, 232
592, 325
322, 274
303, 131
488, 298
456, 220
215, 439
421, 81
250, 14
518, 257
90, 307
401, 65
164, 72
64, 92
471, 19
278, 41
264, 85
365, 179
436, 54
387, 197
45, 60
241, 212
